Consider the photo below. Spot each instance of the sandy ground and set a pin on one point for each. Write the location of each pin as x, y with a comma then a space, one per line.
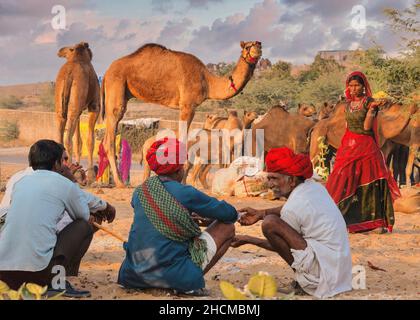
397, 253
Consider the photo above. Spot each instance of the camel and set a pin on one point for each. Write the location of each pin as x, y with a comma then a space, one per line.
173, 79
236, 130
395, 123
282, 128
326, 110
76, 89
306, 110
232, 122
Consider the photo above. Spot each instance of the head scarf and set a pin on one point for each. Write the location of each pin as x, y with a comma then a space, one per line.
368, 91
166, 156
285, 161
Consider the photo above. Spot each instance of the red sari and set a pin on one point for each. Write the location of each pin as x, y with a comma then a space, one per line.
360, 183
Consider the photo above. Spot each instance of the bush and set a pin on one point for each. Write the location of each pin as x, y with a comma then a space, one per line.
47, 98
11, 102
9, 130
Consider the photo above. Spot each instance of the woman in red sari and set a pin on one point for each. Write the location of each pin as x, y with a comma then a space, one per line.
360, 183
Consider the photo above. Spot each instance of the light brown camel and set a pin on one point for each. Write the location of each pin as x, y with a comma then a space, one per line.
236, 133
326, 110
230, 123
174, 79
76, 89
282, 128
397, 123
306, 110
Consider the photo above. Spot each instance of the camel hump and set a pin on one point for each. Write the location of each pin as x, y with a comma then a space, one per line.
149, 46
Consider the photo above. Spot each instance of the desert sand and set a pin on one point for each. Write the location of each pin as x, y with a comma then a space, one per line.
397, 253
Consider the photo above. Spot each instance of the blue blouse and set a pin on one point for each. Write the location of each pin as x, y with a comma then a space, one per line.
154, 261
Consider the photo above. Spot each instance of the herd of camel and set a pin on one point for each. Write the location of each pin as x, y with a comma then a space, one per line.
181, 81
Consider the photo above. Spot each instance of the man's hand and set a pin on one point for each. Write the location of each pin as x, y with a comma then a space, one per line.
249, 216
66, 172
239, 240
74, 167
109, 213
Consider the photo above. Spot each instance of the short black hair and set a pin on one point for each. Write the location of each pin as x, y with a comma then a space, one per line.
358, 79
44, 154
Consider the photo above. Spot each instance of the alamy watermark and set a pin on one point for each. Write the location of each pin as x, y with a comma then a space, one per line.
58, 22
358, 21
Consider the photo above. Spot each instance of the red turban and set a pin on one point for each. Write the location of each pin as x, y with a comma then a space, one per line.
285, 161
368, 91
166, 156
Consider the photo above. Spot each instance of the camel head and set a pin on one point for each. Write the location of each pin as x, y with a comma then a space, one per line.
251, 51
307, 110
249, 118
79, 52
210, 119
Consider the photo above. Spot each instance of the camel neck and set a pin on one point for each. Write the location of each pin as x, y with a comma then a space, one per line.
222, 88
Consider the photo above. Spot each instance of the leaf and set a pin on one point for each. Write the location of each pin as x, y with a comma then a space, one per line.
230, 292
262, 285
370, 264
3, 287
13, 295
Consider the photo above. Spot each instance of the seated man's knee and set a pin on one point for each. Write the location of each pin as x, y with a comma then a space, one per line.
268, 225
228, 230
83, 227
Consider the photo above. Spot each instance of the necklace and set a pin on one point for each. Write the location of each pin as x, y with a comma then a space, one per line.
356, 105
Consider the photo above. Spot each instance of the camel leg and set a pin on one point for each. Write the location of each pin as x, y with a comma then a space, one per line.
203, 176
146, 171
196, 168
71, 126
410, 163
61, 125
93, 117
115, 104
187, 168
187, 114
78, 141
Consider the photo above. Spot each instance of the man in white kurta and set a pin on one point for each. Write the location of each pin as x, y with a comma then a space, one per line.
308, 232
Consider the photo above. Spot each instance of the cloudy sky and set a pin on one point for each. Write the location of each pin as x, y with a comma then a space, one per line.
211, 29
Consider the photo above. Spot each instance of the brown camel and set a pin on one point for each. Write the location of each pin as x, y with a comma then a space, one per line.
326, 110
306, 110
174, 79
397, 123
76, 89
214, 121
236, 133
230, 123
282, 128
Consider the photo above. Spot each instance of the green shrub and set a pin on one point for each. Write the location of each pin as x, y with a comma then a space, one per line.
9, 130
10, 102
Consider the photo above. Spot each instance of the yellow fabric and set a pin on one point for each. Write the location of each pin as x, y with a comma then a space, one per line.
84, 127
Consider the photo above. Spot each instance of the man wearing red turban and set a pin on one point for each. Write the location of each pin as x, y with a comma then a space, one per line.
170, 249
308, 231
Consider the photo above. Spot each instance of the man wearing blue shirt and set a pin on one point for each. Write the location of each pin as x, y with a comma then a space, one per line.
166, 248
30, 244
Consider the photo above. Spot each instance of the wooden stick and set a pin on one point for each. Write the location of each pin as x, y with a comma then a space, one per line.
97, 225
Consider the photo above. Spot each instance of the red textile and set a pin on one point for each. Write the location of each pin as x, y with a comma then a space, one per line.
103, 161
166, 156
368, 91
285, 161
359, 161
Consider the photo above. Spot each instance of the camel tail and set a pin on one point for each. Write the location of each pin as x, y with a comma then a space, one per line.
102, 112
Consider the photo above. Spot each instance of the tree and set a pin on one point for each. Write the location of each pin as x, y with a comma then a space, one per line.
406, 23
